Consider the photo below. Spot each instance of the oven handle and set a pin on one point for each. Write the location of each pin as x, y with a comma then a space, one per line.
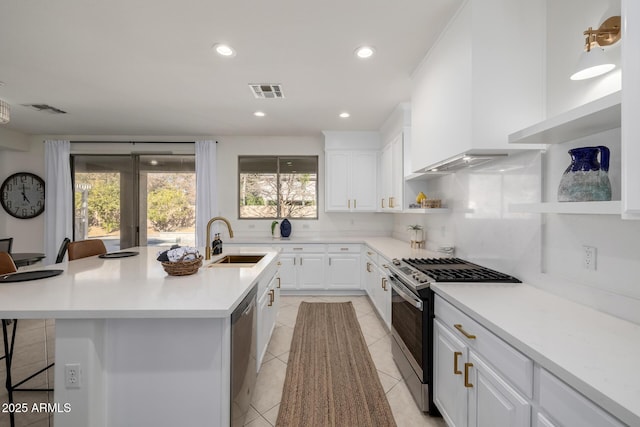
405, 293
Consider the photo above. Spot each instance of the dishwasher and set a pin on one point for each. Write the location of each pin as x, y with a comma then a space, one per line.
243, 357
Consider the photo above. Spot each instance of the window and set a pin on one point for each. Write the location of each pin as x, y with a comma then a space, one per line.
278, 187
132, 200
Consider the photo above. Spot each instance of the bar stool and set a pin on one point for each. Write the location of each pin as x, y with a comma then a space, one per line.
86, 248
7, 266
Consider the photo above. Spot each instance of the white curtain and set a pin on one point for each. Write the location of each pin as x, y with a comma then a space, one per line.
58, 212
206, 189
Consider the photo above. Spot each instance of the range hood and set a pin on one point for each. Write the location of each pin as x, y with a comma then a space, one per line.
461, 161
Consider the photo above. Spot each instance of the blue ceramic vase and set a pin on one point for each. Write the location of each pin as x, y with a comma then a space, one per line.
285, 228
586, 179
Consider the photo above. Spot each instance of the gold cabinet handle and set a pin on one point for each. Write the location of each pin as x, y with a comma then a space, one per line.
456, 355
279, 263
382, 203
384, 283
368, 267
272, 297
349, 203
278, 282
463, 332
467, 384
369, 253
391, 202
355, 204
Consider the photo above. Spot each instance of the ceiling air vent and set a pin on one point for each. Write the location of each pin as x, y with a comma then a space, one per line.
266, 90
45, 108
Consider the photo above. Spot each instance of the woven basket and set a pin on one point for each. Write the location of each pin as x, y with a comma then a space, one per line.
183, 268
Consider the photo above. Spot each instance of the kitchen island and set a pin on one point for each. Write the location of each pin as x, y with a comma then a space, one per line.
153, 349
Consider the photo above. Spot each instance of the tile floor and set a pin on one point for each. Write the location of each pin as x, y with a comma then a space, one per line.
36, 344
268, 391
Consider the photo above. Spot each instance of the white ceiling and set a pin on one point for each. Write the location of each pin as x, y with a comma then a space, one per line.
146, 67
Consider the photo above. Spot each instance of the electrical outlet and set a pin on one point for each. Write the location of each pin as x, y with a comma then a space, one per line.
590, 258
72, 375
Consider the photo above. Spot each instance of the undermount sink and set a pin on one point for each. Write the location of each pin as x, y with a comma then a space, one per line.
236, 260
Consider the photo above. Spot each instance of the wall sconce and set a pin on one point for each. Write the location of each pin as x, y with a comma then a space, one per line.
5, 111
593, 61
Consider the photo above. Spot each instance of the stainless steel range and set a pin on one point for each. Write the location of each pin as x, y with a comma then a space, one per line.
412, 315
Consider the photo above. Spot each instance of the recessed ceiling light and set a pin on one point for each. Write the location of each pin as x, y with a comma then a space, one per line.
259, 114
224, 49
153, 163
345, 115
365, 52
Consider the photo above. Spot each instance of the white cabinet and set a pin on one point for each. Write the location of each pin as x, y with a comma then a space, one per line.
630, 130
343, 267
567, 407
392, 175
450, 395
470, 390
481, 381
302, 267
350, 181
492, 401
268, 304
477, 85
377, 284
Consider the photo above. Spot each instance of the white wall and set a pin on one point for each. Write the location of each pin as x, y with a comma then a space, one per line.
28, 234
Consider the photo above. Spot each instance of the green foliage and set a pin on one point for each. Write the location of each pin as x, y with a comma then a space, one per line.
104, 200
253, 200
168, 209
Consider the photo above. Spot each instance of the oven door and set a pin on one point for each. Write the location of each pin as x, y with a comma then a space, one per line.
407, 323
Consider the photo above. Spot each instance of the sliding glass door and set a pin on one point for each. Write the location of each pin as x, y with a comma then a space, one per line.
134, 200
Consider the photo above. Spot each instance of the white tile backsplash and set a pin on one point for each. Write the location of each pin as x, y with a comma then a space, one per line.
544, 250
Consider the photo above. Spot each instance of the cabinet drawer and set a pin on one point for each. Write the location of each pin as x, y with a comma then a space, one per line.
505, 359
315, 248
344, 249
372, 255
570, 408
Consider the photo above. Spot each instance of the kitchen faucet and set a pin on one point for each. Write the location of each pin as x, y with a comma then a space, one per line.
207, 251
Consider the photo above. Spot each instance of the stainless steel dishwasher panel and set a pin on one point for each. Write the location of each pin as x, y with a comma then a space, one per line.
243, 357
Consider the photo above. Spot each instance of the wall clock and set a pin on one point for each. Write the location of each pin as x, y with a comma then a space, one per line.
22, 195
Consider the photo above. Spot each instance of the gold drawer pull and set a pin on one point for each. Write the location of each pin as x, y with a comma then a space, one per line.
456, 355
463, 332
278, 282
368, 267
467, 384
369, 253
279, 263
272, 297
382, 203
349, 203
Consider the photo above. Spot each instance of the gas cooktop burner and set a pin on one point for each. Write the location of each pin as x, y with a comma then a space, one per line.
457, 270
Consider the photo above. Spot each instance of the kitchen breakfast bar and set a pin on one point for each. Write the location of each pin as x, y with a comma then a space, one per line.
153, 349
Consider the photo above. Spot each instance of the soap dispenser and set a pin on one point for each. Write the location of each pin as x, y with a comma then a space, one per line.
216, 245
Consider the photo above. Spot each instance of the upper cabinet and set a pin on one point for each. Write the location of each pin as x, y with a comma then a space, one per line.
481, 81
351, 171
630, 130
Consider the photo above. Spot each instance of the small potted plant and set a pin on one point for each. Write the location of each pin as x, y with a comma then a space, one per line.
417, 233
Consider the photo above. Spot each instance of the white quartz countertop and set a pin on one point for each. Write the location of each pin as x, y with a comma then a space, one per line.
595, 353
134, 287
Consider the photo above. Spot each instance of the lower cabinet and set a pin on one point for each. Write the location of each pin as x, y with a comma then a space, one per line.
469, 391
377, 285
481, 381
268, 304
302, 267
343, 267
